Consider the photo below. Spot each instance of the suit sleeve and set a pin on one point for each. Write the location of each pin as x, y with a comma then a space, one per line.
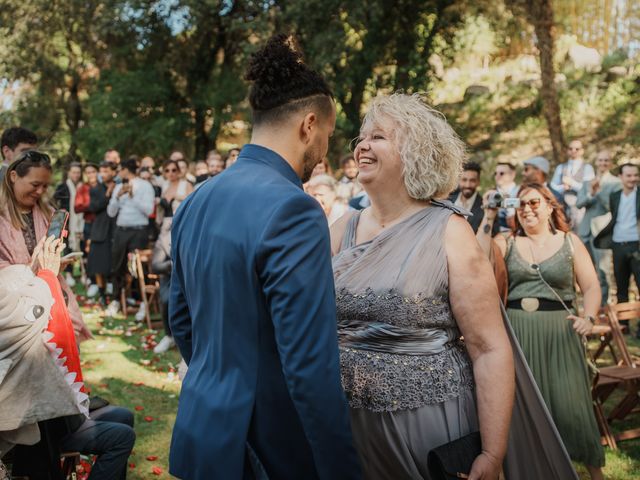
585, 199
179, 315
294, 266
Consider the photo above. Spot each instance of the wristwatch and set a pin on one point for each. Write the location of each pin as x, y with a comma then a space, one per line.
591, 318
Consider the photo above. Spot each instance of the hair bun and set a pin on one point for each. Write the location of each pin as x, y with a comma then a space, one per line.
277, 62
279, 75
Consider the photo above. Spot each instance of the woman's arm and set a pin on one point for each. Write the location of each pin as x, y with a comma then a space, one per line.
587, 279
476, 307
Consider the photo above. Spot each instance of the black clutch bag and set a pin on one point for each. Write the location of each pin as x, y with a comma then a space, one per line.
454, 459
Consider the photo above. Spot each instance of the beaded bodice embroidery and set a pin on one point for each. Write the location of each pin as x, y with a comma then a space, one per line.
400, 349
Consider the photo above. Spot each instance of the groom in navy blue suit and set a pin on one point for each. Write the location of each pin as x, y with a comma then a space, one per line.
252, 305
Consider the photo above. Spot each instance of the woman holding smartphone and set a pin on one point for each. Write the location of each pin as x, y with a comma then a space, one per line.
24, 219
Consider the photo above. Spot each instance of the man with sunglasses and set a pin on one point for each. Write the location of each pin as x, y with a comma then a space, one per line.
569, 177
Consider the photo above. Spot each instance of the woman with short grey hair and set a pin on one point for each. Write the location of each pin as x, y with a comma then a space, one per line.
425, 355
410, 281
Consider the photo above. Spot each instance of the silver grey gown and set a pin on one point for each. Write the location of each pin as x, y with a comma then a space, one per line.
405, 370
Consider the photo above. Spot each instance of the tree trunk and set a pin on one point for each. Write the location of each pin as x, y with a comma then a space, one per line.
202, 139
73, 116
541, 12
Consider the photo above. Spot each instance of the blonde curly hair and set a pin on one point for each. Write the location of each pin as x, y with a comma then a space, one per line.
432, 154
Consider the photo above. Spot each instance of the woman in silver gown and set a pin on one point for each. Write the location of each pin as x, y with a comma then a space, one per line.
411, 383
411, 280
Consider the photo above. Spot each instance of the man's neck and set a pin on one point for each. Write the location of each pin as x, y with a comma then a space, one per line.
628, 191
277, 141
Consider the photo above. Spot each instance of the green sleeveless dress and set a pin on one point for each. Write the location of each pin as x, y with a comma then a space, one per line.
554, 350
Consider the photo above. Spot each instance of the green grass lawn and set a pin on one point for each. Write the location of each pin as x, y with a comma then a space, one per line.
119, 366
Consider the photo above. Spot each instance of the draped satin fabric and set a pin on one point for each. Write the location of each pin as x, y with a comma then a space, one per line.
409, 260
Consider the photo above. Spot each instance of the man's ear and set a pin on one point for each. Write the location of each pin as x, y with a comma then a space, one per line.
307, 127
5, 151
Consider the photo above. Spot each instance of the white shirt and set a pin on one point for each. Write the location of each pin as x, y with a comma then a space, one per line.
464, 203
571, 169
132, 210
626, 227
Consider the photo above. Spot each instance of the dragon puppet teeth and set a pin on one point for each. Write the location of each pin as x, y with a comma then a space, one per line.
70, 377
58, 351
76, 386
47, 335
51, 346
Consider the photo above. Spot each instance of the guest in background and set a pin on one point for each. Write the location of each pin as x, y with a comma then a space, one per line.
15, 140
505, 178
621, 233
175, 188
202, 172
568, 179
81, 206
349, 186
161, 265
232, 156
323, 188
65, 197
112, 155
185, 173
215, 163
594, 197
24, 219
467, 196
130, 204
99, 258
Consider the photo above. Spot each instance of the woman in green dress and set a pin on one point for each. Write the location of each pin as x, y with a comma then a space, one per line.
543, 259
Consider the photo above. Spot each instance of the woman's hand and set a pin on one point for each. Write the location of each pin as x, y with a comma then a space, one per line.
485, 467
582, 326
47, 254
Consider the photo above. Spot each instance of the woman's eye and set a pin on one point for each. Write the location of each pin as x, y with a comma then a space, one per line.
378, 137
34, 313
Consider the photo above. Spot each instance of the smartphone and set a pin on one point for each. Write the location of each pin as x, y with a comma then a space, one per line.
58, 224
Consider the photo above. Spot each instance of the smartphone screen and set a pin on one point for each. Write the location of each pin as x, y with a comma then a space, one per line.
58, 223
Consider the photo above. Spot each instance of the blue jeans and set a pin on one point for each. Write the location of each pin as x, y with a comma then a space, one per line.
108, 433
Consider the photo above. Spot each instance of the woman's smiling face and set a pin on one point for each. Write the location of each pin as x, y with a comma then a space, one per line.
376, 154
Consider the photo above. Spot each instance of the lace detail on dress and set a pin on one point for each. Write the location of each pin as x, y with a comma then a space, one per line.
384, 382
418, 311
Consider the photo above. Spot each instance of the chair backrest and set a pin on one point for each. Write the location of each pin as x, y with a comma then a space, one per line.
622, 311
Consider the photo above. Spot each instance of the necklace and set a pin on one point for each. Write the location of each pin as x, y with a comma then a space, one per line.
534, 265
399, 216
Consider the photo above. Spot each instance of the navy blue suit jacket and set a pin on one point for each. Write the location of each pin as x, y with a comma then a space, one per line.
252, 310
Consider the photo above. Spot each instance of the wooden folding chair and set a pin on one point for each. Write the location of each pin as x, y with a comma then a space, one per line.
148, 282
624, 374
602, 332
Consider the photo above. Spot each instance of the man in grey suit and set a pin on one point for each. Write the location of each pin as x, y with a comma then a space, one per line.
594, 198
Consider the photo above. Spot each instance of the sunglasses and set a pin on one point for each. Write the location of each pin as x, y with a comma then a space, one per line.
32, 156
170, 170
534, 203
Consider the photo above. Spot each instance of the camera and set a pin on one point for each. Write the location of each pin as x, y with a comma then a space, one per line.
496, 200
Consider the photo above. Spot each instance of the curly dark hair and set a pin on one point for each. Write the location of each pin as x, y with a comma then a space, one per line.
283, 83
